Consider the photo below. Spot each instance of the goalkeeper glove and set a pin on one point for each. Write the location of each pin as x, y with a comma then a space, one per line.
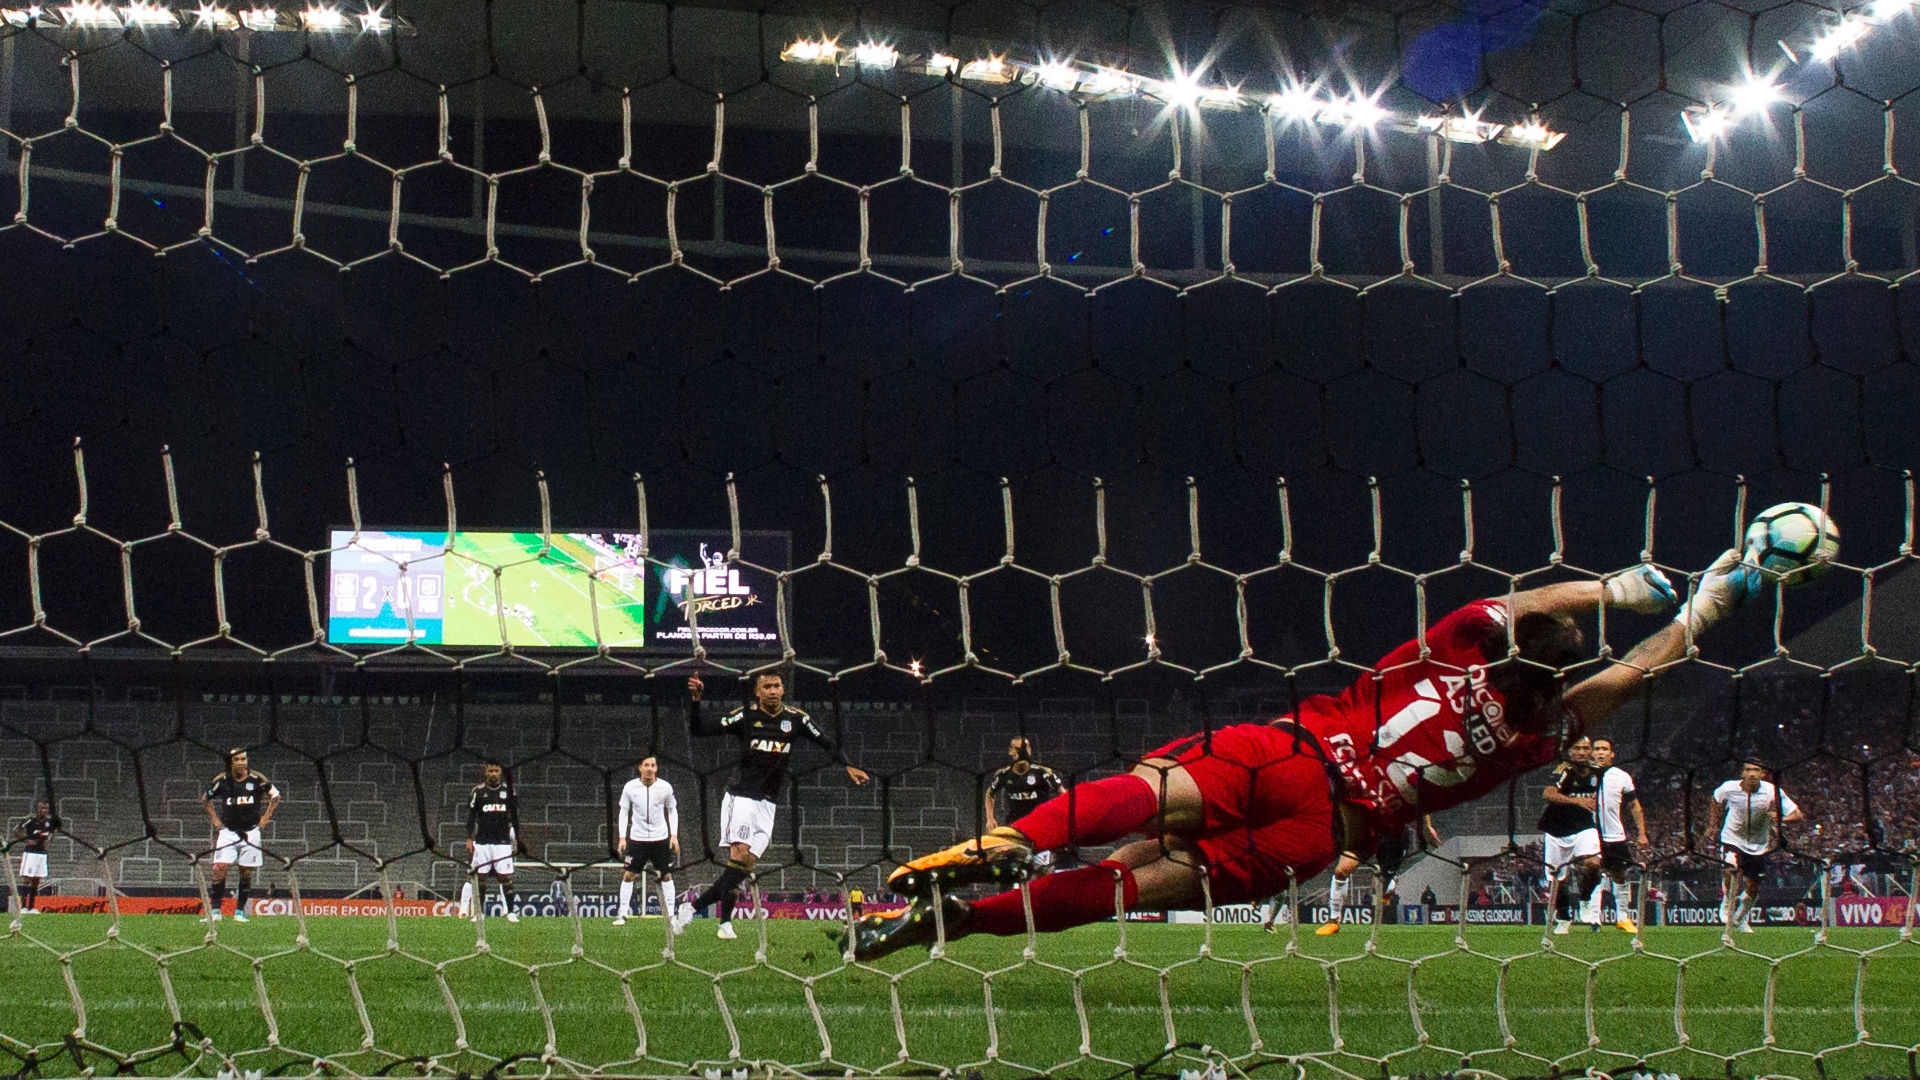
1725, 585
1643, 589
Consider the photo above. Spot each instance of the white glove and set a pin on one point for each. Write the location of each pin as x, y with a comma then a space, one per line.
1725, 585
1643, 589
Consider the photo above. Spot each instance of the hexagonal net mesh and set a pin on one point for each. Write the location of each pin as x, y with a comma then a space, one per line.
974, 341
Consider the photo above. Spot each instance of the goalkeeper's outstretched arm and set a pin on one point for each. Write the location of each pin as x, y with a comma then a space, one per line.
1722, 587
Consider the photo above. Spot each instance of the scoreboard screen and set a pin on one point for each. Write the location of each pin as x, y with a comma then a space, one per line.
565, 590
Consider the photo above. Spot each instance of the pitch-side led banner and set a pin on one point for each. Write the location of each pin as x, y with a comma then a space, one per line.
565, 590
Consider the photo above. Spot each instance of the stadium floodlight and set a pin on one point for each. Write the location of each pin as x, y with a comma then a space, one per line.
19, 16
939, 64
1704, 123
1355, 111
261, 20
322, 19
990, 69
149, 14
374, 21
1755, 95
1106, 82
1298, 103
214, 17
1839, 38
87, 15
1534, 134
876, 55
1460, 129
812, 51
1055, 75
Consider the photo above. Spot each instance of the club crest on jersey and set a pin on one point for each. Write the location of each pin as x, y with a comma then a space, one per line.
786, 725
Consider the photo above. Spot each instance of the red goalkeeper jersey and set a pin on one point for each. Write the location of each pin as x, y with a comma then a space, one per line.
1423, 735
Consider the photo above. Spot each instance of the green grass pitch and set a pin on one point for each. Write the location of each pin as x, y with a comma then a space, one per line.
616, 1007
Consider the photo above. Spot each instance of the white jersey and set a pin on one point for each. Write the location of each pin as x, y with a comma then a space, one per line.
1616, 788
648, 811
1751, 815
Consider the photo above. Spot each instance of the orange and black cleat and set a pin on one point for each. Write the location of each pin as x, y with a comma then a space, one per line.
1001, 857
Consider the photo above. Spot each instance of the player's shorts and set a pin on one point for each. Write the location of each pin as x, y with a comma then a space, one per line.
656, 855
496, 859
746, 821
33, 864
1268, 807
1616, 856
230, 847
1564, 850
1752, 867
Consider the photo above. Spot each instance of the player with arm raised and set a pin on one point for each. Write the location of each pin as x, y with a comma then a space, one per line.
766, 731
649, 828
33, 835
1570, 843
1615, 801
1473, 703
1024, 784
1747, 814
493, 831
239, 802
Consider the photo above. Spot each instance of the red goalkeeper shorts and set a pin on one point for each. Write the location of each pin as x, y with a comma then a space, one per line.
1269, 807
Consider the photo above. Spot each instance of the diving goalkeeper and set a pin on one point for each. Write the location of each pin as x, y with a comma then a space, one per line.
1442, 720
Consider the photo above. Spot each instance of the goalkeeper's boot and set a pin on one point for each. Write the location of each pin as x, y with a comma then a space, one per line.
877, 935
1002, 857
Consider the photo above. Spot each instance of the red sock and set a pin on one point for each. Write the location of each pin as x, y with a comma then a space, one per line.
1069, 898
1096, 813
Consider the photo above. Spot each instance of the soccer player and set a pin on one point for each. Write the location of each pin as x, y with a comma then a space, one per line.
239, 802
1474, 702
649, 836
493, 831
1389, 853
1570, 833
34, 834
1747, 812
766, 731
1614, 800
1024, 783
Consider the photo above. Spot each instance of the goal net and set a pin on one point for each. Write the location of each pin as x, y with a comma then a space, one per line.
393, 391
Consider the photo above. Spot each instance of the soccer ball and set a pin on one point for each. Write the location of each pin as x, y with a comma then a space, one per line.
1793, 542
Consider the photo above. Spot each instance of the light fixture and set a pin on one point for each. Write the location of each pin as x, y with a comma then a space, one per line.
1704, 123
1298, 103
261, 20
812, 51
991, 69
1756, 95
1534, 134
374, 20
1355, 111
1839, 37
1219, 97
148, 14
19, 16
321, 19
214, 17
1106, 82
88, 15
1460, 129
1056, 76
939, 64
873, 54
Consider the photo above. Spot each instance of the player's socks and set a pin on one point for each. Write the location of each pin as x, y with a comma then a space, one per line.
506, 899
30, 894
626, 898
666, 898
1060, 900
218, 895
727, 903
722, 886
1096, 813
1337, 896
240, 901
466, 900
